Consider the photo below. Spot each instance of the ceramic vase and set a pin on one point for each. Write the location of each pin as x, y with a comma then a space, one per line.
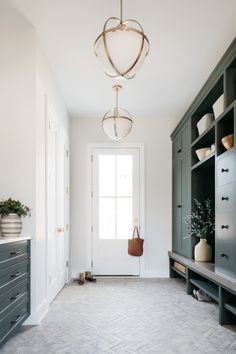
11, 225
203, 251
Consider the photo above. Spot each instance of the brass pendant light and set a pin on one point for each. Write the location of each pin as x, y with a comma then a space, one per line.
121, 47
117, 123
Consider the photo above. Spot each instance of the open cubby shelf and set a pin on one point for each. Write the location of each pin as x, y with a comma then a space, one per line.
231, 308
206, 138
208, 287
206, 104
204, 163
178, 272
230, 83
225, 126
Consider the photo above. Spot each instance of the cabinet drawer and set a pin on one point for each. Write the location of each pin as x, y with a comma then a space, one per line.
13, 297
225, 198
225, 170
14, 318
13, 275
14, 252
225, 243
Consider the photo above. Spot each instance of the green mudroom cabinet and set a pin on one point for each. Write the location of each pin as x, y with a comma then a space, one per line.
212, 177
14, 285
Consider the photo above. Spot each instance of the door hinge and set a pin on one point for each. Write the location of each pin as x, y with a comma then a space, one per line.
49, 124
67, 264
91, 157
67, 153
91, 228
91, 264
67, 227
91, 194
67, 190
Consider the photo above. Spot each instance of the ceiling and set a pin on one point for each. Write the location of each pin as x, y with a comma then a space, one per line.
187, 39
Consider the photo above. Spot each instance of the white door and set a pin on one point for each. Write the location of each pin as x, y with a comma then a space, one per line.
56, 204
115, 200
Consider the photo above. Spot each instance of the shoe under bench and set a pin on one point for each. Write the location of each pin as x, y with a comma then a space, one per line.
220, 286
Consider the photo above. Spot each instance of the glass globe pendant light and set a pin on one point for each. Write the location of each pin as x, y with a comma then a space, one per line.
121, 47
117, 123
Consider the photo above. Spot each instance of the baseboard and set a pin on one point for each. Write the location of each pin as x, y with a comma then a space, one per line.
37, 315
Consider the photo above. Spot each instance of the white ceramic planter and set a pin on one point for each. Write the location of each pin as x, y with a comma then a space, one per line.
203, 251
205, 122
11, 225
218, 106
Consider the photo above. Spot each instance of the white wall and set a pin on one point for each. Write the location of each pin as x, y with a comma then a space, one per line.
26, 83
155, 133
17, 105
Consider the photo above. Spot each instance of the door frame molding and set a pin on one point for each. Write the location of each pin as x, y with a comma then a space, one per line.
89, 232
49, 108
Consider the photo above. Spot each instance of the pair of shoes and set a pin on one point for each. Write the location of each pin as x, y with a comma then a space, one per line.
201, 296
81, 279
89, 277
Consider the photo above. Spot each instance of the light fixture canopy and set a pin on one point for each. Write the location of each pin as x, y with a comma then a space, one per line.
117, 123
121, 47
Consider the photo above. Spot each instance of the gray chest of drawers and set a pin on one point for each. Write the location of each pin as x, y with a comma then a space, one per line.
14, 286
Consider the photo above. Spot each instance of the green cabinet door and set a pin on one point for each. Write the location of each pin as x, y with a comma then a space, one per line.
186, 204
176, 226
181, 190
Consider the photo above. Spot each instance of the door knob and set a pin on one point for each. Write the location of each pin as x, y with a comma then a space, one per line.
60, 229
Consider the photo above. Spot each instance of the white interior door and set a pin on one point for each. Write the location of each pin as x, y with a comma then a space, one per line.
115, 200
56, 204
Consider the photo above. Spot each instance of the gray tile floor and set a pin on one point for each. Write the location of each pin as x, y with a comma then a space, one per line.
145, 316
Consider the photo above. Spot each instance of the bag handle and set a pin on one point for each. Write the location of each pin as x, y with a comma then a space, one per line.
136, 229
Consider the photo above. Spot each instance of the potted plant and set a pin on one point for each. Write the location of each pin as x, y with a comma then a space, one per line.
11, 211
201, 223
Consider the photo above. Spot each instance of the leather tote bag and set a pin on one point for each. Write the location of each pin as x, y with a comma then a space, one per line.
135, 244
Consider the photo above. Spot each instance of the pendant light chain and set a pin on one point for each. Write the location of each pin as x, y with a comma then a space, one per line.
121, 12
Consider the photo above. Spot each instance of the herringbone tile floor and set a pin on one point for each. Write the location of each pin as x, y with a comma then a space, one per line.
124, 316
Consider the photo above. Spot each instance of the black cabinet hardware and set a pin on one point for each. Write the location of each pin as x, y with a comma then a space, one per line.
16, 296
225, 198
224, 226
178, 151
179, 206
17, 320
224, 170
16, 275
15, 253
224, 255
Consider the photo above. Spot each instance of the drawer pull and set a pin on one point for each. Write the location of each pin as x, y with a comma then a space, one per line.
15, 253
225, 198
17, 320
16, 296
178, 151
224, 170
224, 255
224, 226
179, 206
16, 275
